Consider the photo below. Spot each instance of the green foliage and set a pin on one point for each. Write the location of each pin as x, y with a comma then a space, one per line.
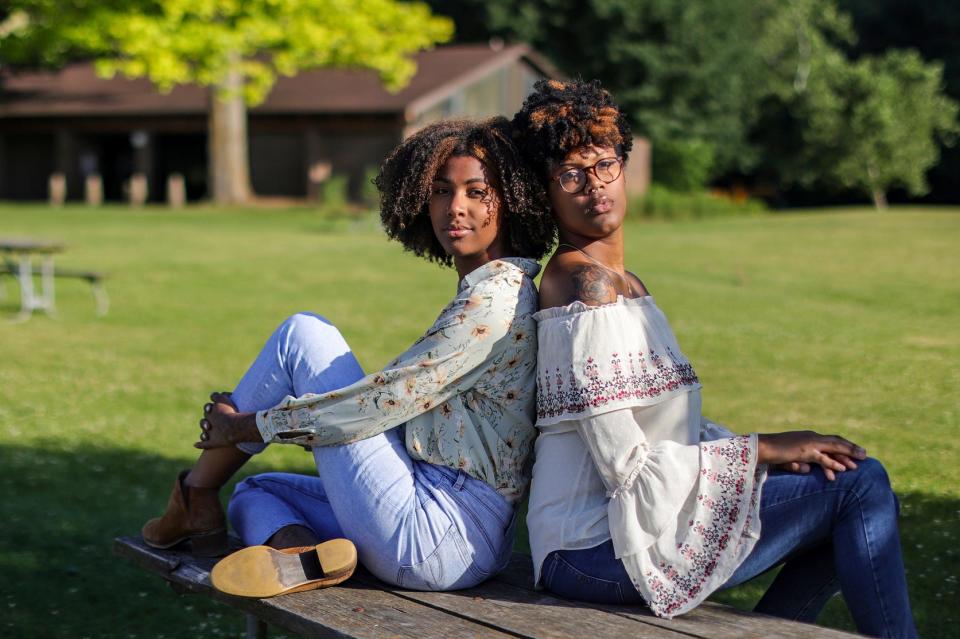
769, 86
869, 124
369, 194
334, 193
682, 165
174, 42
891, 116
660, 203
682, 70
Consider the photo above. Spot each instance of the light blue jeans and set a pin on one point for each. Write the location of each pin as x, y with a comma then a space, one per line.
830, 537
416, 525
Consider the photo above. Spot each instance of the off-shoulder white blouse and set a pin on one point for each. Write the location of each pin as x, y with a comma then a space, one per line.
625, 454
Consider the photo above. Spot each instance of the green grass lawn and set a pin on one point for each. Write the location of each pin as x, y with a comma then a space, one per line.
844, 321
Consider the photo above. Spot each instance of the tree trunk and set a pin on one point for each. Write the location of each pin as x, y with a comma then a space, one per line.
879, 199
878, 193
229, 162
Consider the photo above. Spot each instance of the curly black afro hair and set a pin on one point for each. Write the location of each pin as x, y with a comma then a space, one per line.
559, 117
407, 175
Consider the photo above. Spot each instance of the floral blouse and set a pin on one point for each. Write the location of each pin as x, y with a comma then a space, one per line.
618, 406
465, 390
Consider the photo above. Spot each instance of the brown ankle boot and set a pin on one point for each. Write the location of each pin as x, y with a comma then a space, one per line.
193, 514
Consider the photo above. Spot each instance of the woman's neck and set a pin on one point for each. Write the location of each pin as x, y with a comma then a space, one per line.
608, 249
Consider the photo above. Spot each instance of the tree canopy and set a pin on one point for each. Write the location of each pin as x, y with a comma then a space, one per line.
764, 89
175, 42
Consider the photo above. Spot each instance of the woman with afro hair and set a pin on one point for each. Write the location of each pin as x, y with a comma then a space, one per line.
636, 497
420, 464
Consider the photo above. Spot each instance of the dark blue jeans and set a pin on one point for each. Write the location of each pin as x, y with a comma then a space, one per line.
829, 536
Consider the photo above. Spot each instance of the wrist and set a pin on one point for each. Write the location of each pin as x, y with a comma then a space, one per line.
763, 448
245, 428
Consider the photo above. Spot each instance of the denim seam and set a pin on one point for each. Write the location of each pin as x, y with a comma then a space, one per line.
469, 562
870, 554
559, 558
403, 569
806, 606
476, 498
476, 520
294, 488
873, 571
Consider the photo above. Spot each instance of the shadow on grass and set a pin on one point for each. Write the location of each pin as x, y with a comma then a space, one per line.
61, 511
58, 578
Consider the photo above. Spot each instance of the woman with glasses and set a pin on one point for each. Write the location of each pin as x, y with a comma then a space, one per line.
636, 497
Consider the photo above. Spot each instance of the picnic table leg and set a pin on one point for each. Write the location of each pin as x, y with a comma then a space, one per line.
27, 299
100, 297
256, 628
46, 282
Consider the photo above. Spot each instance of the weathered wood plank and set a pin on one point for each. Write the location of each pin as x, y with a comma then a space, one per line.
506, 606
712, 620
534, 614
355, 609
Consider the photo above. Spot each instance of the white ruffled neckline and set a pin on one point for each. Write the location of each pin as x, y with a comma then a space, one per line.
576, 307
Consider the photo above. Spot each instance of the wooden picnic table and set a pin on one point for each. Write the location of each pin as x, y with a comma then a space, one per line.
504, 606
18, 259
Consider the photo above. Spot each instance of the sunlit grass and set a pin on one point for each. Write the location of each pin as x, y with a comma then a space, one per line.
847, 322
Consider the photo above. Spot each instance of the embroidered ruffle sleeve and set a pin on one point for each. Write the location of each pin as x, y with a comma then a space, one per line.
683, 492
464, 390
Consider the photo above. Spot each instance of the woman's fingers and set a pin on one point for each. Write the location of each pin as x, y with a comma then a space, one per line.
846, 461
837, 444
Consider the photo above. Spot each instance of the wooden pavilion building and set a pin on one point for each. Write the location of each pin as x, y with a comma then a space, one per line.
319, 123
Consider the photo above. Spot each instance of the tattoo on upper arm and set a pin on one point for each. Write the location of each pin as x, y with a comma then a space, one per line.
593, 285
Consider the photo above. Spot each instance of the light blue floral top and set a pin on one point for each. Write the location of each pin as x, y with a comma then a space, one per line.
466, 390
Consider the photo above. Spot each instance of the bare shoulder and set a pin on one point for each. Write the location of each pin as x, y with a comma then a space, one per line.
568, 278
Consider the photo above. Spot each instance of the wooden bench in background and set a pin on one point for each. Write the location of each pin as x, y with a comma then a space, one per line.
505, 606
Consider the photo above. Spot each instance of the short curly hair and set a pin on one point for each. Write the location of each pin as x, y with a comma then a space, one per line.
559, 117
406, 177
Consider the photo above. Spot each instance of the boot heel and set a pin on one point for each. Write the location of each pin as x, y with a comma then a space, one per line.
210, 544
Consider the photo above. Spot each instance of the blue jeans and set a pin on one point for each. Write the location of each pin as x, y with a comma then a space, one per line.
416, 525
838, 536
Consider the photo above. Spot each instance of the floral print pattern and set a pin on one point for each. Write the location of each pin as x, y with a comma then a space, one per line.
677, 584
646, 376
464, 390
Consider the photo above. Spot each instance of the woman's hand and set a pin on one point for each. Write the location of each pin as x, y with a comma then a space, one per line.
223, 426
796, 450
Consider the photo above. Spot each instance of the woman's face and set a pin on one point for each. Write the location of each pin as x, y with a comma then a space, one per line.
599, 208
465, 213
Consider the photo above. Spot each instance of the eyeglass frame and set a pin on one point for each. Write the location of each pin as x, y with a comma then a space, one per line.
585, 169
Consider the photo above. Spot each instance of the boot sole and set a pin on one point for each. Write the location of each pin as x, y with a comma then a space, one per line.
261, 571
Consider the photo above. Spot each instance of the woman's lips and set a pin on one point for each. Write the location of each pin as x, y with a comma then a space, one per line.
456, 232
601, 205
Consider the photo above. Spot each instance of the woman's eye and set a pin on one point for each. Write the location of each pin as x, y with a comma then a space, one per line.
439, 190
481, 193
605, 164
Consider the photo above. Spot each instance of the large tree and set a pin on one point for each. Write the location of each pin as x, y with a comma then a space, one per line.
868, 124
237, 48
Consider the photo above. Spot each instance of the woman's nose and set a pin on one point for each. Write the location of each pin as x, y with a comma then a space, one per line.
458, 205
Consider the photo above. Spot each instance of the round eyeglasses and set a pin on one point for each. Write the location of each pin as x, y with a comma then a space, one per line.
573, 180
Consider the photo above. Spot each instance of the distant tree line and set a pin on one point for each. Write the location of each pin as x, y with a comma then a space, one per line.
776, 94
